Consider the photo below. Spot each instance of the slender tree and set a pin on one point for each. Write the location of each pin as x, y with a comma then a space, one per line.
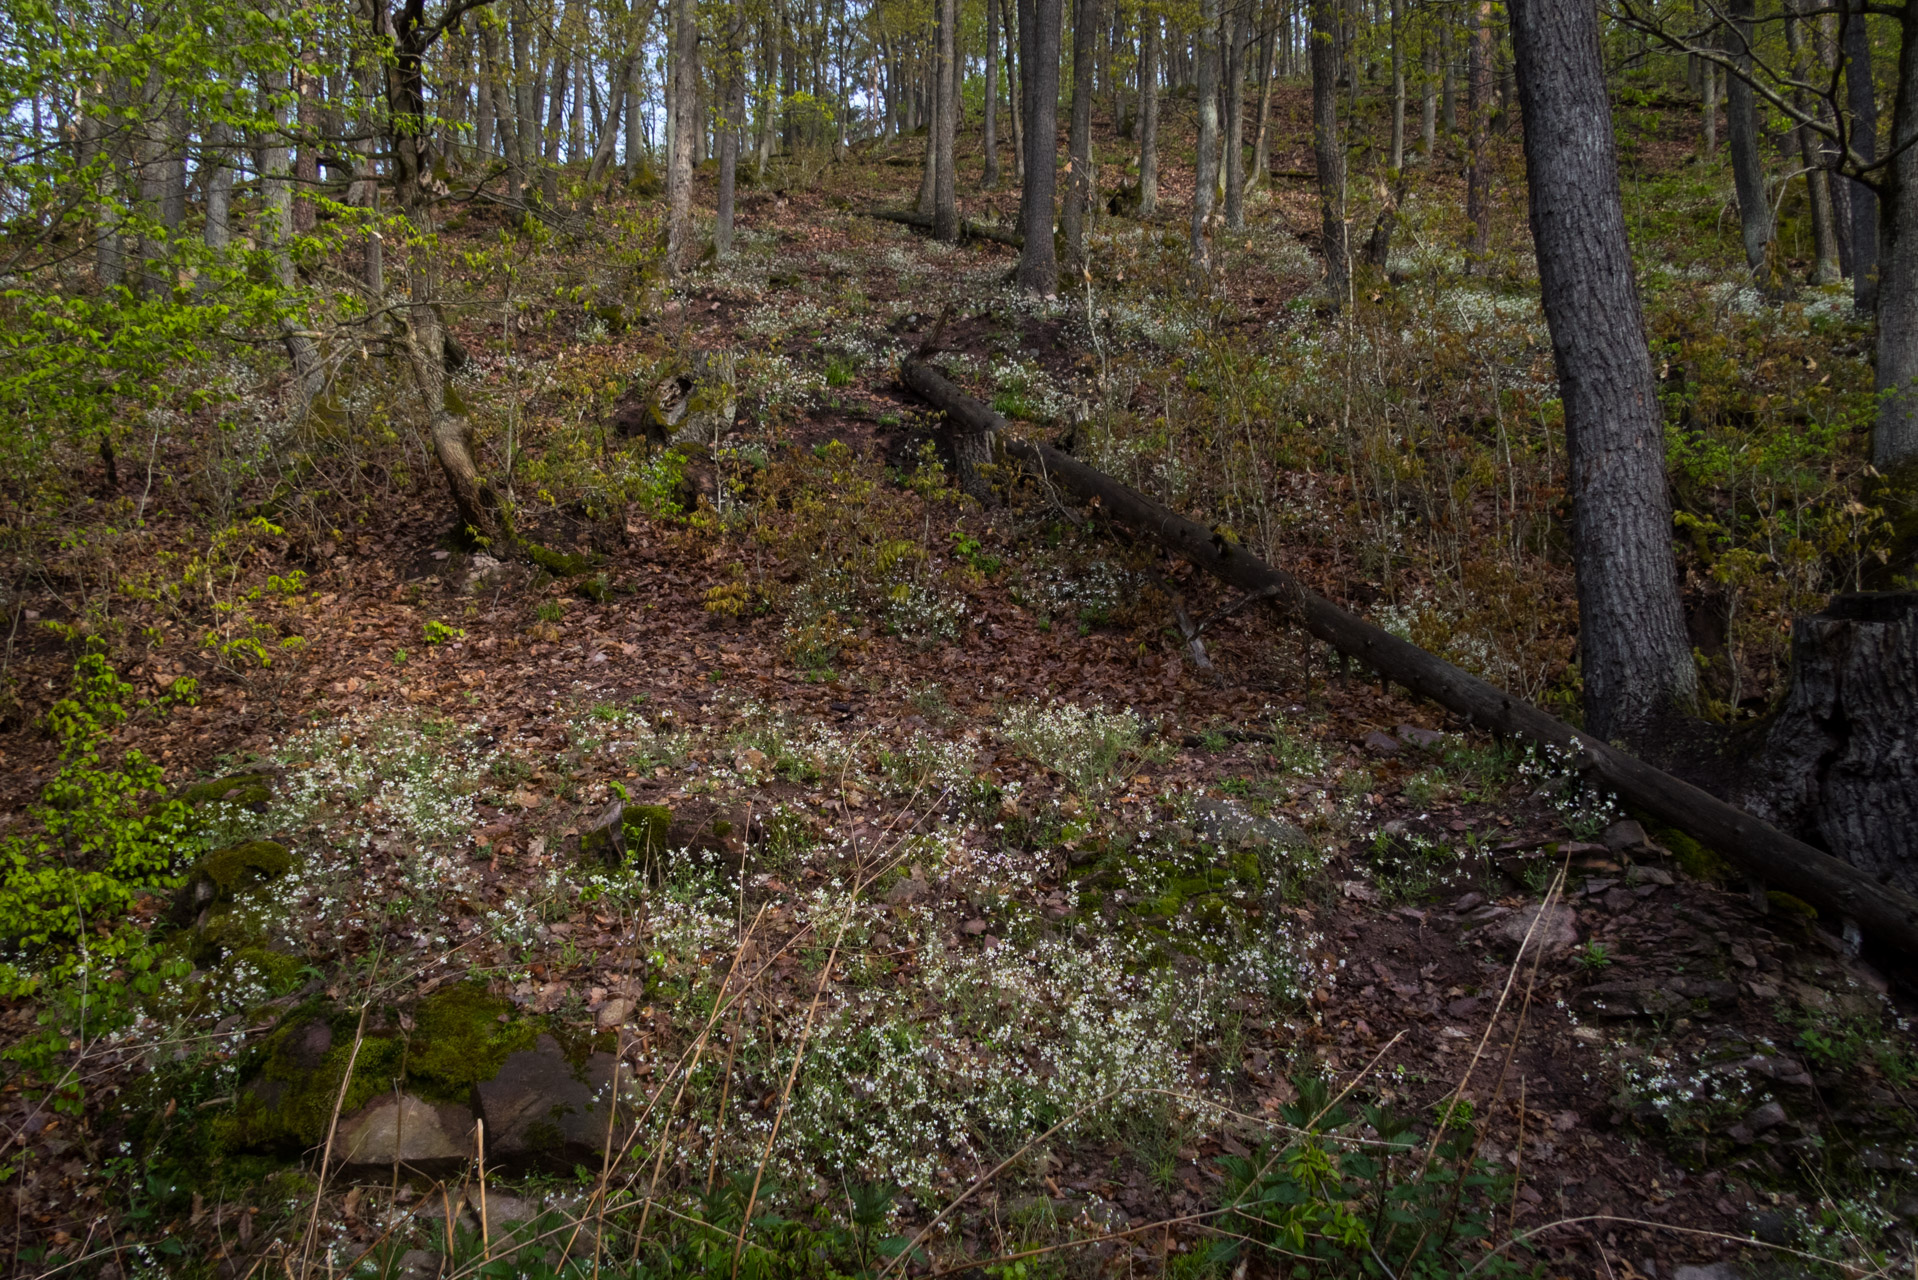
991, 138
679, 169
1328, 149
1148, 111
1741, 127
1205, 180
1079, 176
945, 198
1861, 97
1635, 657
1039, 37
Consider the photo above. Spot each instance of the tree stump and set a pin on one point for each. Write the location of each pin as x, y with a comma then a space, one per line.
1840, 762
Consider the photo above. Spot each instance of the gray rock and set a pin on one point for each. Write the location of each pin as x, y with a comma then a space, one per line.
419, 1264
1226, 823
1382, 744
1625, 836
1648, 998
406, 1129
1427, 738
1557, 931
1643, 874
605, 838
500, 1208
1768, 1116
544, 1109
1712, 1271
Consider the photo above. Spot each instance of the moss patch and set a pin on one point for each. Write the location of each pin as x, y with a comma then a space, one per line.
557, 563
242, 867
1693, 858
647, 826
299, 1071
458, 1040
237, 789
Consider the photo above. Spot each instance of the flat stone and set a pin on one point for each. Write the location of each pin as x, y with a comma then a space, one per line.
1427, 738
1631, 998
500, 1208
1556, 933
1383, 744
1768, 1116
1625, 836
1715, 1271
543, 1109
419, 1264
405, 1129
1223, 822
1644, 874
614, 1012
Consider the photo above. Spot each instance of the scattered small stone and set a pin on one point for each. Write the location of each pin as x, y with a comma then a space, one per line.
1469, 901
1625, 836
973, 927
1766, 1116
1557, 931
1359, 890
1427, 738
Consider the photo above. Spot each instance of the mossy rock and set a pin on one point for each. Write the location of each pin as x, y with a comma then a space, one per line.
458, 1041
558, 563
647, 828
246, 790
228, 874
1693, 858
297, 1076
279, 969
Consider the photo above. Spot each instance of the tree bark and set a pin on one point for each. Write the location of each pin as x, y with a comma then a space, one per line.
1232, 33
1262, 133
679, 171
1079, 177
1634, 655
945, 194
1861, 99
1708, 139
1015, 104
1478, 109
1886, 914
1840, 764
1039, 82
735, 115
1398, 88
990, 179
1825, 269
1328, 149
1205, 181
1148, 112
1894, 437
1428, 100
1741, 127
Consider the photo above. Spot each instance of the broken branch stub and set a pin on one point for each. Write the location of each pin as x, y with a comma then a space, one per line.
1884, 913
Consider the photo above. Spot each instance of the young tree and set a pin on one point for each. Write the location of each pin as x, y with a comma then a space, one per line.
1328, 148
1079, 176
1634, 655
1205, 180
945, 123
1741, 128
1039, 36
679, 168
1148, 111
991, 139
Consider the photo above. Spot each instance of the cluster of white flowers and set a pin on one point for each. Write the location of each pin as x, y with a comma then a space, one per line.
1083, 745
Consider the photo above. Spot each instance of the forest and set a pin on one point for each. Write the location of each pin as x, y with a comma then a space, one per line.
1008, 639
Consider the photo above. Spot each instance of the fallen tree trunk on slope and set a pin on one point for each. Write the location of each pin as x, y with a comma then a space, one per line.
1886, 914
968, 229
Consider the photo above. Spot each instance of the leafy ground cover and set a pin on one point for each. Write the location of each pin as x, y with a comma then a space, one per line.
966, 920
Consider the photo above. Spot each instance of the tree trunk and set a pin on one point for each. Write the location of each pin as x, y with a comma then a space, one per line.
1079, 178
1148, 112
1634, 655
306, 168
1428, 100
1262, 134
1894, 437
1886, 913
1039, 84
990, 179
1861, 97
1741, 127
945, 194
1232, 31
1015, 79
1328, 149
1398, 89
735, 115
1205, 181
1708, 139
679, 171
1817, 181
1448, 80
1840, 763
1478, 160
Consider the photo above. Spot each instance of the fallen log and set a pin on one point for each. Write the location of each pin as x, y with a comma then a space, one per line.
1885, 914
968, 229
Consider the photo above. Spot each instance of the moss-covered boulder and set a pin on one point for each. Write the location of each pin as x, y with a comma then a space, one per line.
244, 790
227, 875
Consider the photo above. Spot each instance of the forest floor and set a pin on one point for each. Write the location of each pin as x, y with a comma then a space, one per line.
975, 877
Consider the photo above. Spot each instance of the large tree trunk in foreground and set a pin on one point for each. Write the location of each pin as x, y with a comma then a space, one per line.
1039, 88
1887, 915
1635, 657
1840, 763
